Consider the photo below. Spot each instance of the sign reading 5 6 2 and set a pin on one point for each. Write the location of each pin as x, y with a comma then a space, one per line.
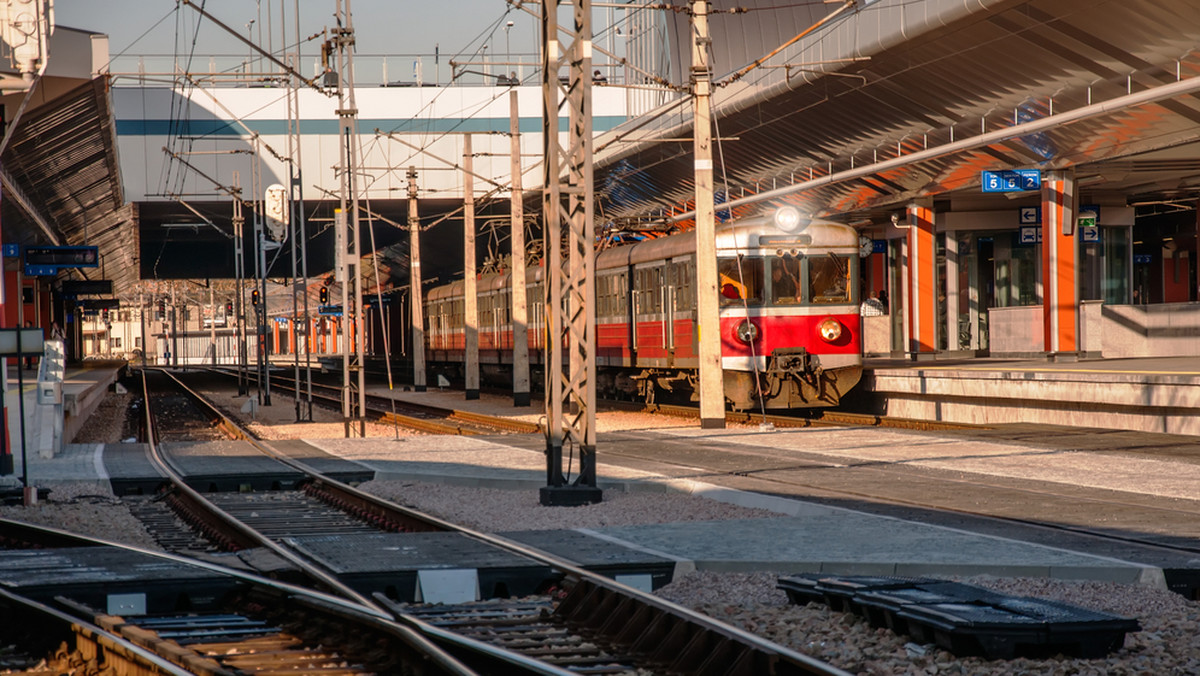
1011, 180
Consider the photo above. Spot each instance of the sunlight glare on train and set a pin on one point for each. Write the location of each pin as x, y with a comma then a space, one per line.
789, 219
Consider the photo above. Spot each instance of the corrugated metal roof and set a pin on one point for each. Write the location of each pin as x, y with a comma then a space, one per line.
62, 156
951, 74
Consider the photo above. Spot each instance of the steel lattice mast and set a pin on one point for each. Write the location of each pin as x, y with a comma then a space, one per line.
569, 285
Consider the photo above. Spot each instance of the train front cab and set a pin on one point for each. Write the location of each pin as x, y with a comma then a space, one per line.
789, 306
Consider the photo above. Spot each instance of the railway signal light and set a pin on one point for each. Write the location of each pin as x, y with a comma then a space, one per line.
324, 295
228, 307
254, 297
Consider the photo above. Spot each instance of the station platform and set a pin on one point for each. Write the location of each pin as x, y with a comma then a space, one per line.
1150, 394
83, 388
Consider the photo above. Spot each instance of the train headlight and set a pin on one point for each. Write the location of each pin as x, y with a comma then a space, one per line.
789, 219
747, 332
829, 329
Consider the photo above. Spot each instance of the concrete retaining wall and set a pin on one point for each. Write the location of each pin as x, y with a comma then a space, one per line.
1108, 331
1150, 403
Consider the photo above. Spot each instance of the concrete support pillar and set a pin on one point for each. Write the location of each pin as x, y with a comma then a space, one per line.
520, 305
922, 282
470, 297
414, 284
1060, 265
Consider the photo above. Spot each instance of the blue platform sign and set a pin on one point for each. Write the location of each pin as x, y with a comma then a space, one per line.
41, 270
1014, 180
330, 310
12, 250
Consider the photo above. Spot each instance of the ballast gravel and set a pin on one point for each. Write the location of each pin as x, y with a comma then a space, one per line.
1166, 645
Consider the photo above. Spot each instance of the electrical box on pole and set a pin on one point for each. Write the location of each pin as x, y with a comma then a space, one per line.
25, 28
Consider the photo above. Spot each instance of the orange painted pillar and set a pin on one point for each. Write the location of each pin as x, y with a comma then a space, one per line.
922, 281
1060, 265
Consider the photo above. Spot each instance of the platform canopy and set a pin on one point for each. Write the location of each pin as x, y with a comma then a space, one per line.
62, 185
1102, 87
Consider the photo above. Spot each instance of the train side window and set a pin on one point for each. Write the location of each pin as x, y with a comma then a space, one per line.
829, 279
656, 286
681, 280
740, 280
608, 303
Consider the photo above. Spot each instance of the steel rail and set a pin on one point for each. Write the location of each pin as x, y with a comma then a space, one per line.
821, 418
620, 600
137, 659
240, 533
414, 639
367, 506
312, 598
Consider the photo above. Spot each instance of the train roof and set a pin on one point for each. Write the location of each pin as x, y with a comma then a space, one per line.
755, 233
745, 235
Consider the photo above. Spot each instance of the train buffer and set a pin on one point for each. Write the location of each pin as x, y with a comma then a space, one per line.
965, 619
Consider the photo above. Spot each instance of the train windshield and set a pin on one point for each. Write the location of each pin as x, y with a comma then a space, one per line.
786, 288
740, 280
829, 279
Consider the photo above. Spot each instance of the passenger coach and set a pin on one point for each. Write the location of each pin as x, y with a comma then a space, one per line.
789, 325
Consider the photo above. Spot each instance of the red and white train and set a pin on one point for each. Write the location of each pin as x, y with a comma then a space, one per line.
789, 316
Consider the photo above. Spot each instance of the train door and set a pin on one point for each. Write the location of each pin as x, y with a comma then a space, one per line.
628, 286
668, 308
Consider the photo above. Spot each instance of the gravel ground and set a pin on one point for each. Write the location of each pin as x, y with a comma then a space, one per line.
278, 421
85, 508
108, 423
1166, 644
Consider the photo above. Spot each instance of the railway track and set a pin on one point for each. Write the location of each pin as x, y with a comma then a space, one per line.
600, 625
235, 623
40, 638
813, 418
407, 414
934, 499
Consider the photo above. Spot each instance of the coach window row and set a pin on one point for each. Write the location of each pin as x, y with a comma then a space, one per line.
810, 280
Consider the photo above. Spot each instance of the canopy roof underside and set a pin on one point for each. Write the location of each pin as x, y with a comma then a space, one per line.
62, 184
896, 79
